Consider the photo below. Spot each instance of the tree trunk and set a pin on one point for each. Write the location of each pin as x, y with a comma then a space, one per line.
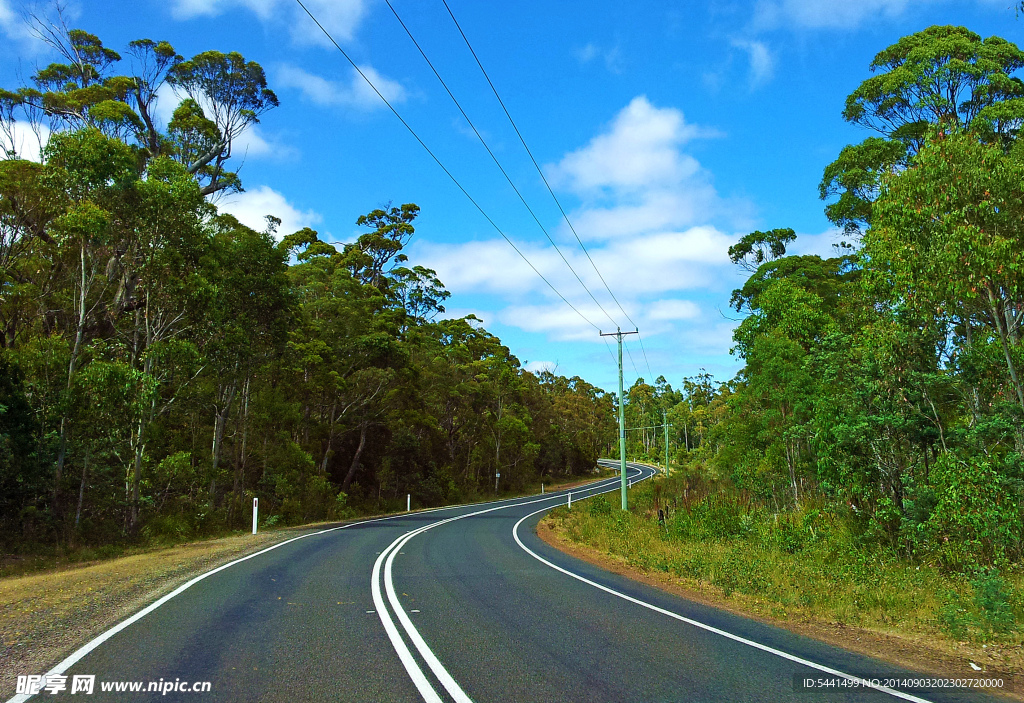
219, 421
1001, 327
792, 475
236, 489
355, 459
65, 421
140, 449
81, 490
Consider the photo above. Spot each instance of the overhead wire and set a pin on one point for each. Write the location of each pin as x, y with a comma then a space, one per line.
497, 163
442, 166
547, 185
630, 355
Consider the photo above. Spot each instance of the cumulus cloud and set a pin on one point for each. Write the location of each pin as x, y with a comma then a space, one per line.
640, 149
252, 207
635, 177
353, 93
651, 217
340, 17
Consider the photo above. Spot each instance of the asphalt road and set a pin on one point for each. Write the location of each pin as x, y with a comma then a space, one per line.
457, 604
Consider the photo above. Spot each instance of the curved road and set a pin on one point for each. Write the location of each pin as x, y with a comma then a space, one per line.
456, 604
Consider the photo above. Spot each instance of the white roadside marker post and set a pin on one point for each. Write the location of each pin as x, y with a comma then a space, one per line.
408, 502
255, 513
570, 501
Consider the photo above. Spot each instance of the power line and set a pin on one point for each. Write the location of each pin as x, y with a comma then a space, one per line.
443, 168
609, 348
534, 160
630, 355
495, 159
640, 339
540, 171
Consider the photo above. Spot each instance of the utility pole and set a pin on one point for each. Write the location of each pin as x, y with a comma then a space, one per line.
664, 420
619, 334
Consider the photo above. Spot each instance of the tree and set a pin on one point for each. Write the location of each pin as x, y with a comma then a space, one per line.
944, 76
234, 93
947, 237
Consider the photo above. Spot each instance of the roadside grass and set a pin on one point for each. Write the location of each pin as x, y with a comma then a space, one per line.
806, 565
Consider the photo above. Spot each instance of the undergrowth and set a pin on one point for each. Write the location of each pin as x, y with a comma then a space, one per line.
815, 561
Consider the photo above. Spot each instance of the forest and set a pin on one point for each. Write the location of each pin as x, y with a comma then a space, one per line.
881, 394
161, 364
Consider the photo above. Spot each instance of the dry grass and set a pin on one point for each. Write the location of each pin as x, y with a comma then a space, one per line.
46, 616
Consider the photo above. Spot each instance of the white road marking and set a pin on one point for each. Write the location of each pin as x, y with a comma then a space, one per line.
450, 685
419, 679
436, 667
709, 628
103, 637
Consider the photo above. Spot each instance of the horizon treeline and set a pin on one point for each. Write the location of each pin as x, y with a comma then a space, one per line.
883, 386
161, 363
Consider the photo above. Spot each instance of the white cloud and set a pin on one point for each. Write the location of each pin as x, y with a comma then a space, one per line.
588, 53
167, 101
824, 14
539, 366
24, 141
187, 9
612, 57
340, 17
252, 207
673, 309
17, 25
648, 213
558, 322
635, 176
821, 244
7, 18
252, 143
762, 64
641, 148
355, 93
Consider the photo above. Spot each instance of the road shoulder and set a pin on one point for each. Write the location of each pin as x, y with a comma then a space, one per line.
915, 654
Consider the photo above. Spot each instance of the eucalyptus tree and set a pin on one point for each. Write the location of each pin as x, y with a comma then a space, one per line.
943, 75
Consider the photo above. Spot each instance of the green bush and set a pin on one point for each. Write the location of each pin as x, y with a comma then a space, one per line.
977, 516
599, 505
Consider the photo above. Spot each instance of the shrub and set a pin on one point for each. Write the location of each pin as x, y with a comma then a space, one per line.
977, 517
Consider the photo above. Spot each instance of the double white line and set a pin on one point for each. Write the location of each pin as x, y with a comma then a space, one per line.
385, 563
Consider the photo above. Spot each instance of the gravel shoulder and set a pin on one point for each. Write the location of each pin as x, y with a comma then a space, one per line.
44, 617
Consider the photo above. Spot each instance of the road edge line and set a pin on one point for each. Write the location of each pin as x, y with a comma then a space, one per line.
709, 628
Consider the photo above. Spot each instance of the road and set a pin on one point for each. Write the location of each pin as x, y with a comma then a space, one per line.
456, 604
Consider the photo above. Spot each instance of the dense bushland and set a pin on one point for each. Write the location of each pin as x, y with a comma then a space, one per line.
880, 408
816, 562
161, 364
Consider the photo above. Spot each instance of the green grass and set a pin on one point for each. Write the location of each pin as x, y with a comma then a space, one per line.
810, 564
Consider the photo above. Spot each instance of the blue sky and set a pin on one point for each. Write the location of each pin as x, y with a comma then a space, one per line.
668, 130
